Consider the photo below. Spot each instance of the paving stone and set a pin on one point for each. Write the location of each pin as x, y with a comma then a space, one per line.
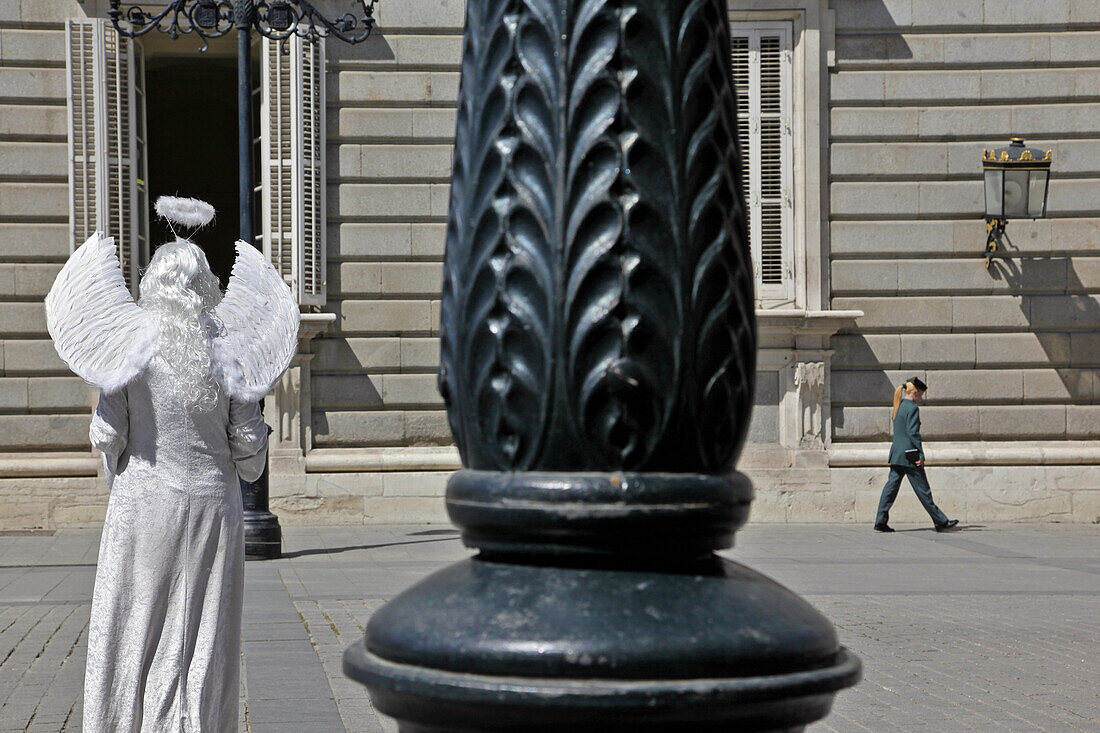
990, 628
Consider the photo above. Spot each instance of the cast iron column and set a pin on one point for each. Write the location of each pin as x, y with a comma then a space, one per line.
243, 22
598, 356
263, 537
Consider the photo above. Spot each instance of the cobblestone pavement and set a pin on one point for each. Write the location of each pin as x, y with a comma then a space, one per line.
994, 628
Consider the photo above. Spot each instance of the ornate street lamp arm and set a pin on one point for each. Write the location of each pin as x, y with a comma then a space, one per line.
274, 19
207, 18
280, 19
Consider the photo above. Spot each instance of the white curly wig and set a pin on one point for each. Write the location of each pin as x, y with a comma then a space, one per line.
179, 287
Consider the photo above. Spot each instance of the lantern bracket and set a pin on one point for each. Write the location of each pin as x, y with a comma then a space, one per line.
995, 229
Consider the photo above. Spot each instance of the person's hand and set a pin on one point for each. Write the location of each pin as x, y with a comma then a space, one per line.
920, 463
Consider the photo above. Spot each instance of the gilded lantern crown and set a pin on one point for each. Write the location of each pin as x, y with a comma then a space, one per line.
1017, 155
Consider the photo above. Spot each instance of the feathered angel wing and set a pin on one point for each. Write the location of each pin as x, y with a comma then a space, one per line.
97, 328
261, 319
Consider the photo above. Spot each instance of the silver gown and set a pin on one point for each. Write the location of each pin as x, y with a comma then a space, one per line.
164, 637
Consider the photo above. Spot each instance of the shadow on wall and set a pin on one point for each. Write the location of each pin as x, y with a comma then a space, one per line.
879, 39
340, 382
764, 421
885, 43
1058, 309
1071, 309
873, 382
353, 390
375, 48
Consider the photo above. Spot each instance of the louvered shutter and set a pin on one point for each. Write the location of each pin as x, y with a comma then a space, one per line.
292, 148
761, 67
139, 182
106, 106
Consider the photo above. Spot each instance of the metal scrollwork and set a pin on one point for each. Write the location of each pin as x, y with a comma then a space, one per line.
274, 19
281, 19
207, 19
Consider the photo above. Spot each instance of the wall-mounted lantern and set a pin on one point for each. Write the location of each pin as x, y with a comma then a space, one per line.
1016, 182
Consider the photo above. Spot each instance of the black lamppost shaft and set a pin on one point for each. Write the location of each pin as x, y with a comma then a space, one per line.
244, 128
263, 537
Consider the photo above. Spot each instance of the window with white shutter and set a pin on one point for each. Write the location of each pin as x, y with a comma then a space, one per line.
292, 154
761, 65
106, 106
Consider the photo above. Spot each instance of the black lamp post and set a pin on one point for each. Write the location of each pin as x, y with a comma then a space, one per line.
277, 20
598, 358
1017, 179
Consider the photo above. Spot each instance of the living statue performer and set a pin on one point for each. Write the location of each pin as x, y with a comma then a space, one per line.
180, 373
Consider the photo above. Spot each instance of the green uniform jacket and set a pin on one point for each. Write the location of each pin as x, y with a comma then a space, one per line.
906, 434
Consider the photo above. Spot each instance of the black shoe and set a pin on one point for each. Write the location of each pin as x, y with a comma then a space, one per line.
885, 528
947, 526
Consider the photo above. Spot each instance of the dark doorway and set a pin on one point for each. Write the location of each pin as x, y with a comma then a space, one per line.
192, 122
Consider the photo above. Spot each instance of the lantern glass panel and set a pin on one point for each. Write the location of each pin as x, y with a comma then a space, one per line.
994, 181
1037, 193
1016, 191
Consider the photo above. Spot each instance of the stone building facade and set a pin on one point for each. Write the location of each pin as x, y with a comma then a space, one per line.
863, 123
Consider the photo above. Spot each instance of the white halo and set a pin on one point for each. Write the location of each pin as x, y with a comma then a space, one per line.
191, 213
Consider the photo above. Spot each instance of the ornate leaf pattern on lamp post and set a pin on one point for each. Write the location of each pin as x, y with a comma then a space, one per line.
621, 241
721, 278
499, 280
597, 296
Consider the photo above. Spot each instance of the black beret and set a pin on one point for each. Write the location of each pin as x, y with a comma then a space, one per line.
918, 383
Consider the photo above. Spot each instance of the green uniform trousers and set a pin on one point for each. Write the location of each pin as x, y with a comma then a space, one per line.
919, 481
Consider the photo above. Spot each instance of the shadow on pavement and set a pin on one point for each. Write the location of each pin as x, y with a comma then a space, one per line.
334, 550
959, 528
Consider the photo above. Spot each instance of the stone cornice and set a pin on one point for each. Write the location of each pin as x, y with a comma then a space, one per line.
314, 324
980, 453
803, 322
426, 458
48, 465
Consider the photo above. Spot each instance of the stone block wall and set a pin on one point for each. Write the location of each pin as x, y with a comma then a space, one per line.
47, 469
43, 407
918, 90
390, 129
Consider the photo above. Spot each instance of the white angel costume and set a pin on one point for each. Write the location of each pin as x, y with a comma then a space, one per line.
164, 636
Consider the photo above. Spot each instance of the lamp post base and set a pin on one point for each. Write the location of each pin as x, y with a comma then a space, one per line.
612, 637
597, 358
263, 537
470, 704
711, 647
